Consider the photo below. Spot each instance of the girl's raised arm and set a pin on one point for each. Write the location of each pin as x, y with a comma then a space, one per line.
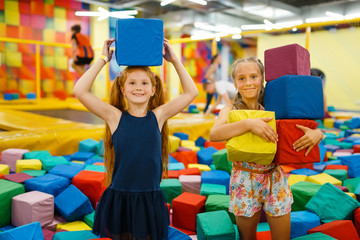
82, 88
190, 91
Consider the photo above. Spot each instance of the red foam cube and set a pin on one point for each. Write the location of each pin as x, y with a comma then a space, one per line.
357, 220
356, 148
288, 133
173, 174
190, 171
291, 59
91, 184
185, 208
2, 176
18, 177
185, 157
338, 229
217, 145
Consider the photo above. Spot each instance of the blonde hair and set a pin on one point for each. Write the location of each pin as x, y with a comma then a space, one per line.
238, 102
117, 99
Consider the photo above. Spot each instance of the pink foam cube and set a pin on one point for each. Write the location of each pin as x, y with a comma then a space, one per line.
11, 155
190, 183
291, 59
31, 207
18, 177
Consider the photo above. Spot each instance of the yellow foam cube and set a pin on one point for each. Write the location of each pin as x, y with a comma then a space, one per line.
59, 12
329, 122
351, 194
60, 24
11, 5
73, 226
250, 147
49, 35
26, 86
201, 167
13, 59
328, 154
28, 164
174, 143
323, 178
74, 161
295, 178
61, 62
12, 17
187, 143
356, 134
4, 169
48, 61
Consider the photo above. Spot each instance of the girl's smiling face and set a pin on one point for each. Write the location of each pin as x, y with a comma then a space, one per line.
138, 87
248, 80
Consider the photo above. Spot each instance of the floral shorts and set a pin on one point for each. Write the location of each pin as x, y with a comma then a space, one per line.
250, 192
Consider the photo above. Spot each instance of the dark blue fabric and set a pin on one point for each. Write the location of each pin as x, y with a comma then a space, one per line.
134, 203
139, 42
295, 97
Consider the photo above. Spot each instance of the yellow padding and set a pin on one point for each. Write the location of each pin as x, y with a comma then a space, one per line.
4, 169
351, 194
201, 167
250, 147
174, 143
28, 164
323, 178
294, 178
329, 122
73, 226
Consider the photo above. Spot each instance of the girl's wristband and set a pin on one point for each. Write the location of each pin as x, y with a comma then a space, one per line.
105, 58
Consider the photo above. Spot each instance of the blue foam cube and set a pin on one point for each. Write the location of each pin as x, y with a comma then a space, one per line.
41, 155
332, 148
8, 96
354, 123
205, 155
319, 167
176, 166
31, 95
172, 159
175, 234
48, 183
295, 97
139, 42
216, 177
351, 132
182, 136
74, 235
26, 232
89, 145
72, 204
304, 171
82, 156
353, 162
68, 171
302, 221
200, 142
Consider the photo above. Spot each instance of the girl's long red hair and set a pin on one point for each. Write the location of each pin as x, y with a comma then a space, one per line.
117, 99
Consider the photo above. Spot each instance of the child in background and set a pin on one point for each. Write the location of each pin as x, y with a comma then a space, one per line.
82, 51
136, 146
250, 182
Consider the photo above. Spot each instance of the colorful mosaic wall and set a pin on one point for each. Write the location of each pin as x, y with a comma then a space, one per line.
48, 21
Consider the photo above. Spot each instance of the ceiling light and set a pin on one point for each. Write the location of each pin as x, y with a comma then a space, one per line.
267, 22
103, 14
334, 15
217, 39
253, 26
320, 19
352, 15
236, 36
166, 2
201, 2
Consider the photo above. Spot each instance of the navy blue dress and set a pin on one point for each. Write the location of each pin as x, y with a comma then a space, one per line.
134, 202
